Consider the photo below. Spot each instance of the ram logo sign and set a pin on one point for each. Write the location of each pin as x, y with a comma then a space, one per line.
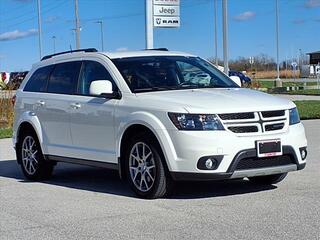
166, 22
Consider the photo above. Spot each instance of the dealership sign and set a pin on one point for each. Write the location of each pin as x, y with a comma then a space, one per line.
166, 2
166, 13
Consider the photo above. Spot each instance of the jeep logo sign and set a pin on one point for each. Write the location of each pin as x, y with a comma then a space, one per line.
166, 10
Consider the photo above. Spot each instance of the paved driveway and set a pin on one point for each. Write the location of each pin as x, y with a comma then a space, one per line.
89, 203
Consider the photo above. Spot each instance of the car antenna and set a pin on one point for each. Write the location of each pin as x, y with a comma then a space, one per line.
70, 48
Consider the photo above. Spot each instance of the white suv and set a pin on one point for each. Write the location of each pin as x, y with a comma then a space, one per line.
137, 113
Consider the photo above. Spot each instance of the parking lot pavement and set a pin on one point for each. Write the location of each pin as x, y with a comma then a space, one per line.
89, 203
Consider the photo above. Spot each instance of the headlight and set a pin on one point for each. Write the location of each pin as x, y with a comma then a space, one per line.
185, 121
294, 116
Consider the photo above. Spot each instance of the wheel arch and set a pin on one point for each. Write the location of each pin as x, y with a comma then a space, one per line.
32, 123
152, 125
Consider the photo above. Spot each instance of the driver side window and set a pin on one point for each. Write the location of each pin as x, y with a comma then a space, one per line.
92, 71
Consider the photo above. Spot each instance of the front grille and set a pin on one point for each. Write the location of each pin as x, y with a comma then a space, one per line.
270, 114
244, 129
255, 122
252, 163
236, 116
274, 127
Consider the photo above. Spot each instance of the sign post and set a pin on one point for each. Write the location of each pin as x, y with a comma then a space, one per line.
318, 75
294, 68
161, 14
149, 25
251, 61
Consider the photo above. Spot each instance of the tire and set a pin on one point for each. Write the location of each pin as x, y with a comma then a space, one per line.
29, 155
144, 162
268, 180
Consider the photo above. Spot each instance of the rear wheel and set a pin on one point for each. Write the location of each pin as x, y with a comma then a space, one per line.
268, 180
29, 154
146, 171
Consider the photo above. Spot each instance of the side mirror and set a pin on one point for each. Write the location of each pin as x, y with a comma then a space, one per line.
103, 88
236, 80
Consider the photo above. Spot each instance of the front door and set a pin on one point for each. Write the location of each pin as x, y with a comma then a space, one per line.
92, 118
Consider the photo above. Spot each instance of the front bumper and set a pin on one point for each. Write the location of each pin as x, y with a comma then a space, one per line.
185, 148
234, 173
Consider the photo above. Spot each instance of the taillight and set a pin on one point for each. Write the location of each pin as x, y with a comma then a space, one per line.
13, 99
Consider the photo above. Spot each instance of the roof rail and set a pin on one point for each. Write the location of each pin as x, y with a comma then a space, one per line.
71, 51
158, 49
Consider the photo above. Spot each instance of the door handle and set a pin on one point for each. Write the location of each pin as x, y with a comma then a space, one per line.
75, 105
41, 103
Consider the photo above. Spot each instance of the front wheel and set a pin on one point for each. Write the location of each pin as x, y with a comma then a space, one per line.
146, 172
268, 180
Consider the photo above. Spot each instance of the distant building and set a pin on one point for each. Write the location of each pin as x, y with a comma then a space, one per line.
314, 58
314, 61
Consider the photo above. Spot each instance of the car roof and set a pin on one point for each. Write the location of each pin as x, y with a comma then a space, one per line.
112, 55
144, 53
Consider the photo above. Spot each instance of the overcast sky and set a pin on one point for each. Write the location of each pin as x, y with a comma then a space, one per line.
251, 28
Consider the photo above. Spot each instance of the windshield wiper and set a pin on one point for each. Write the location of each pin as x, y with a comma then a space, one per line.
140, 90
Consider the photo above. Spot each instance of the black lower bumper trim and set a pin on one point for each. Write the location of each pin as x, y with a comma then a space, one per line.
301, 166
185, 176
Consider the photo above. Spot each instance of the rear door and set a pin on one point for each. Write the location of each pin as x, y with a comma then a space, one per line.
55, 121
92, 119
34, 97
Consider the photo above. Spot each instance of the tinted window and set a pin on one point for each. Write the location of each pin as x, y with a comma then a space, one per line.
64, 78
38, 81
91, 71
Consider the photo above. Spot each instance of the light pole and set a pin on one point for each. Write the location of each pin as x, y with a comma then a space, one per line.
39, 28
300, 57
76, 10
101, 32
225, 36
215, 33
278, 82
54, 44
149, 24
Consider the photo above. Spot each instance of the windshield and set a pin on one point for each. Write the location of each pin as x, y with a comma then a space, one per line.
144, 74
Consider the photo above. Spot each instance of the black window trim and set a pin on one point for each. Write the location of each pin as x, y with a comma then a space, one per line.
49, 76
75, 91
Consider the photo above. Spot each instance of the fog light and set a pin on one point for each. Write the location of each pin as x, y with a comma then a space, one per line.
209, 163
303, 153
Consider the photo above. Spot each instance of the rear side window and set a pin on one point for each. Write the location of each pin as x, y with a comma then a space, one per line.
38, 80
92, 71
64, 78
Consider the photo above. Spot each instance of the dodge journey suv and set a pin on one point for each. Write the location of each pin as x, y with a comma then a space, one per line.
155, 116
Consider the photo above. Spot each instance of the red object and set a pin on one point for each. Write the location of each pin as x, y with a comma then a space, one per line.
13, 99
3, 76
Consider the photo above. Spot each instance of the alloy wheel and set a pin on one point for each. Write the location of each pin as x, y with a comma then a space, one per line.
142, 166
29, 151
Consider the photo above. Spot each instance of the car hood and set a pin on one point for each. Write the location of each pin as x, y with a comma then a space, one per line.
221, 100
